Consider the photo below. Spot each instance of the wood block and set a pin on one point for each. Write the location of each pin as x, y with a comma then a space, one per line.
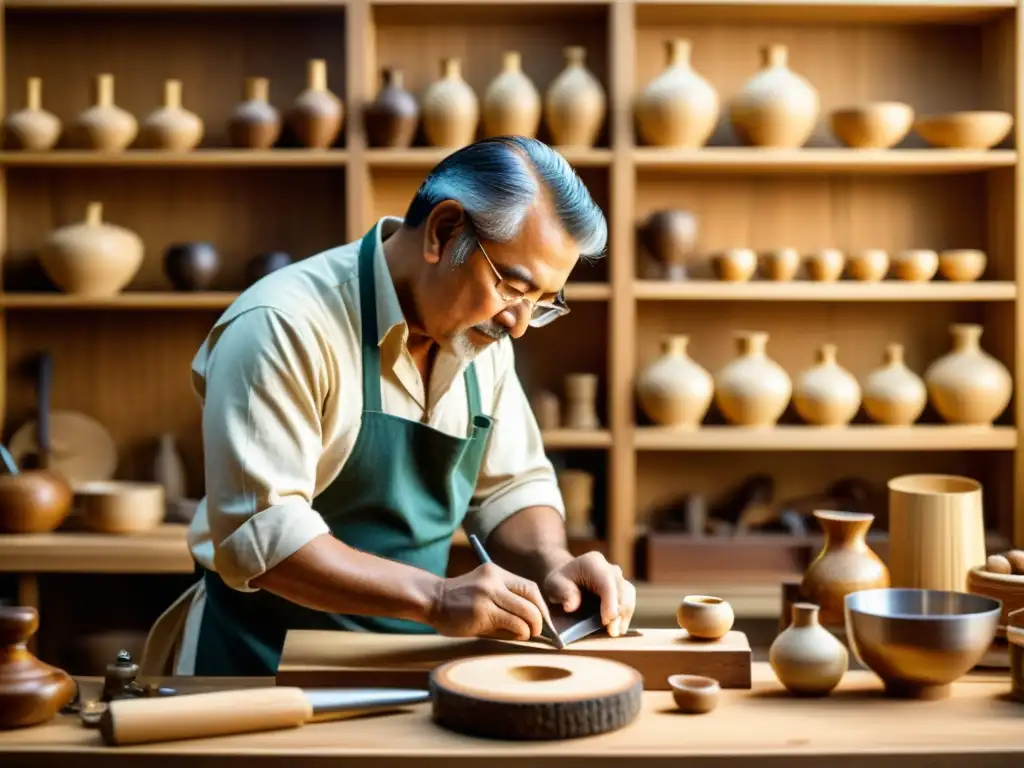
319, 659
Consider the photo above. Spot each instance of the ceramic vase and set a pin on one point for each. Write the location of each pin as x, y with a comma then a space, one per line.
777, 107
826, 394
577, 489
511, 104
674, 390
394, 116
670, 237
894, 394
581, 401
171, 126
104, 126
451, 111
968, 385
679, 108
845, 564
752, 390
317, 115
92, 257
806, 658
575, 103
32, 128
191, 266
254, 123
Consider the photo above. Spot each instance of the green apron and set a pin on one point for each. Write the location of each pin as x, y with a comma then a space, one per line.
402, 494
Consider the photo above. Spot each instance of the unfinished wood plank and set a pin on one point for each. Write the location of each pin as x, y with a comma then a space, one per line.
314, 658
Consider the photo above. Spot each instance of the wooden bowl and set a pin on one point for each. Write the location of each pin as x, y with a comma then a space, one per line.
694, 693
1006, 587
964, 130
33, 501
878, 125
962, 265
117, 506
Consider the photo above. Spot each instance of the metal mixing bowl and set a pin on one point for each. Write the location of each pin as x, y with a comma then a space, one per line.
920, 640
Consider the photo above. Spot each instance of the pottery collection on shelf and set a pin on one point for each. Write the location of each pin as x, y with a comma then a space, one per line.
779, 107
966, 386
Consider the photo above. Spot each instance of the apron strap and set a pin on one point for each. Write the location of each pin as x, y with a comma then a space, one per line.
368, 317
473, 393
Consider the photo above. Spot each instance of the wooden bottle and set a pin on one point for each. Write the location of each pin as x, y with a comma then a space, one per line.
254, 123
317, 115
31, 691
575, 103
511, 104
104, 126
171, 126
32, 128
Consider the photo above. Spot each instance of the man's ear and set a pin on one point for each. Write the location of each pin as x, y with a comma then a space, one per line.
444, 222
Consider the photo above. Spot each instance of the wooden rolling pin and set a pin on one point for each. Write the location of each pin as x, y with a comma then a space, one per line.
221, 713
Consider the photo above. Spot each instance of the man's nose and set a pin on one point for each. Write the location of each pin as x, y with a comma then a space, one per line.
516, 318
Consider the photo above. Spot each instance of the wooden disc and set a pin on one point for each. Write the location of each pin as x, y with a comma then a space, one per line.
82, 449
535, 696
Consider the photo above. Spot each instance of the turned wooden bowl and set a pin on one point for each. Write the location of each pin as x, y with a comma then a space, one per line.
1009, 588
694, 693
964, 130
117, 506
962, 265
878, 125
33, 501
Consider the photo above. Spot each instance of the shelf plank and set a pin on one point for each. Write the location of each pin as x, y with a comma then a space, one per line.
858, 437
191, 5
569, 439
823, 160
162, 300
422, 158
824, 11
806, 290
206, 158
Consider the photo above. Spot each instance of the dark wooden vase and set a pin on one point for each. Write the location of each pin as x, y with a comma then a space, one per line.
262, 265
31, 691
191, 266
392, 119
670, 237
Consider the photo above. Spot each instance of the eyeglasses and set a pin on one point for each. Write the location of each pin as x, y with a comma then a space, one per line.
541, 312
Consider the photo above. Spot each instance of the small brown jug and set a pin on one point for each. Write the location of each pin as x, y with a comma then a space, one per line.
31, 691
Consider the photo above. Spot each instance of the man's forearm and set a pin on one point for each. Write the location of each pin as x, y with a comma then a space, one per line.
532, 543
328, 575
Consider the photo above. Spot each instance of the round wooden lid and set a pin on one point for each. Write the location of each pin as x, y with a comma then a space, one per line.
82, 448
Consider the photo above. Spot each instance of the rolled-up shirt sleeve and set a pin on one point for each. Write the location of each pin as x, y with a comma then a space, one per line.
516, 472
262, 441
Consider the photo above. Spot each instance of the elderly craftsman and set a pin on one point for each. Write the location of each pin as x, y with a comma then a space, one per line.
362, 405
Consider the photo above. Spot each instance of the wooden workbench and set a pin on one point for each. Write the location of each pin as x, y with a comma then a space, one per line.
759, 728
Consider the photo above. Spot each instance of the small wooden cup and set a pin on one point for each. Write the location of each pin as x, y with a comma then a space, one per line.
705, 617
694, 694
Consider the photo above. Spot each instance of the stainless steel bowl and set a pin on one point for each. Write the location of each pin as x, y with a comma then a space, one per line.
920, 640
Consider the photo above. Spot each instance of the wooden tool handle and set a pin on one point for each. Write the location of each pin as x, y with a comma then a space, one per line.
199, 715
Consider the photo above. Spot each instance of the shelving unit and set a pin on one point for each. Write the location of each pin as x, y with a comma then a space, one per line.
125, 360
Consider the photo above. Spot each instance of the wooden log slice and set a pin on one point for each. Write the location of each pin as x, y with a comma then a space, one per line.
530, 696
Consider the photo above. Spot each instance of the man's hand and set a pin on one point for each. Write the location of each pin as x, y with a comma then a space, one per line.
488, 602
592, 572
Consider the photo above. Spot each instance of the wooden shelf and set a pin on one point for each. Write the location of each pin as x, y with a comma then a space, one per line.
827, 11
161, 300
742, 160
846, 290
425, 158
570, 439
203, 158
170, 5
856, 437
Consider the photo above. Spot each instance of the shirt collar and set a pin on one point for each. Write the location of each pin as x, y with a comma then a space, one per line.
390, 318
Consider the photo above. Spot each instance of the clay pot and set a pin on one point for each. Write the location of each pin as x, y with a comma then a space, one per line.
705, 617
735, 265
575, 103
316, 115
581, 401
451, 111
826, 394
968, 385
780, 264
32, 128
777, 107
254, 123
191, 266
962, 265
172, 127
869, 265
262, 265
104, 126
679, 108
915, 265
674, 390
752, 390
894, 394
31, 691
806, 658
826, 265
670, 237
845, 564
92, 258
577, 489
511, 105
33, 501
393, 117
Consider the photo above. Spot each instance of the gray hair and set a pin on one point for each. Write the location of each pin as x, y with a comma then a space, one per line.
496, 181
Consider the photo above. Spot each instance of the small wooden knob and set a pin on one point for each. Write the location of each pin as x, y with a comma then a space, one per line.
17, 624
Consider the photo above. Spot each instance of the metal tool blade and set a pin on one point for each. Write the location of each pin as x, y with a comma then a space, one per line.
335, 702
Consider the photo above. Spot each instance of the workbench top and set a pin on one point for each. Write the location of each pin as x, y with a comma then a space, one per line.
762, 728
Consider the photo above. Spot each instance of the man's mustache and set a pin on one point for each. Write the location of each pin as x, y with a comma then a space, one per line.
494, 329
